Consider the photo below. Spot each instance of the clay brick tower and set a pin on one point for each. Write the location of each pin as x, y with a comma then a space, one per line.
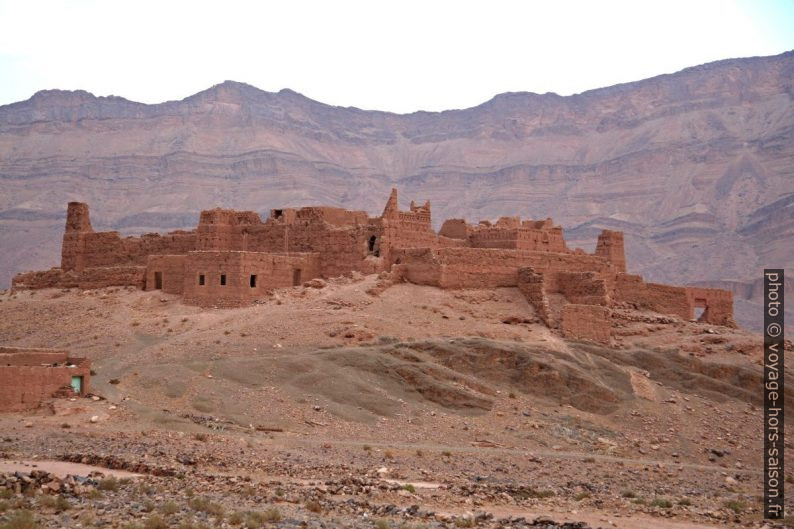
610, 247
78, 223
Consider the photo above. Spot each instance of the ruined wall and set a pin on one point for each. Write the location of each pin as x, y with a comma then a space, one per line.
519, 238
168, 270
271, 271
25, 383
718, 305
666, 299
86, 279
485, 267
531, 284
84, 248
586, 322
584, 288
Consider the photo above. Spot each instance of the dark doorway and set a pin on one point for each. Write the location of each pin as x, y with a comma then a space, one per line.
296, 277
201, 279
371, 245
158, 280
701, 310
223, 279
253, 281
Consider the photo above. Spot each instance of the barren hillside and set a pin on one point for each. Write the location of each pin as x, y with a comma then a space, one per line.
417, 406
695, 167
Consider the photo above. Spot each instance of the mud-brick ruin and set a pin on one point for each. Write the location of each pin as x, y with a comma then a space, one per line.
233, 258
29, 377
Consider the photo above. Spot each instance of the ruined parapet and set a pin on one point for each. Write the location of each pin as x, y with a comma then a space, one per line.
223, 229
531, 284
455, 229
610, 247
586, 322
78, 224
584, 288
717, 305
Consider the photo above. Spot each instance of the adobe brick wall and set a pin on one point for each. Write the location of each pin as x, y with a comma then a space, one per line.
172, 273
271, 270
488, 267
87, 278
531, 284
584, 288
25, 383
586, 322
717, 302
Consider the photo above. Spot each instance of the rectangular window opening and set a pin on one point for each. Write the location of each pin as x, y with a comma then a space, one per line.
253, 281
223, 279
201, 279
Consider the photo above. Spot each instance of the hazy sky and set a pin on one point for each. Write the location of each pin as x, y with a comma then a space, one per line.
399, 56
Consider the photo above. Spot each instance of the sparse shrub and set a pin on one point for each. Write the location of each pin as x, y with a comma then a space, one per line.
581, 496
511, 395
628, 494
446, 453
47, 502
148, 506
4, 506
206, 505
544, 493
235, 518
200, 437
21, 520
381, 524
661, 503
184, 320
135, 323
367, 448
169, 508
734, 505
109, 483
314, 506
279, 492
155, 521
272, 515
94, 494
684, 502
464, 522
114, 381
419, 453
589, 460
410, 488
388, 454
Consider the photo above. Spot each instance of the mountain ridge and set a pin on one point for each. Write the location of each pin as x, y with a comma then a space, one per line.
695, 166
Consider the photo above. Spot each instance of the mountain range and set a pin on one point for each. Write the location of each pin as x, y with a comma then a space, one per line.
696, 167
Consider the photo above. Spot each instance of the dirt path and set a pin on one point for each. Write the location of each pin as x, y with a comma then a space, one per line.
61, 468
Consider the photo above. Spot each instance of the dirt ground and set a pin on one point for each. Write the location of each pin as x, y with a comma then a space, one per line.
359, 404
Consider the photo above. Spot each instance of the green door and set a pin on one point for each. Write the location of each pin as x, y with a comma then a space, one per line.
77, 384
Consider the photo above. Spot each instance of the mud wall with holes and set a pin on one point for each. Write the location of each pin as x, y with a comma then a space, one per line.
234, 279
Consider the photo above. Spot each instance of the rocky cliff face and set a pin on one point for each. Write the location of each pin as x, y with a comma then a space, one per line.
697, 167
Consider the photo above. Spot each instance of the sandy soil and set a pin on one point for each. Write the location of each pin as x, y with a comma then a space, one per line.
346, 394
